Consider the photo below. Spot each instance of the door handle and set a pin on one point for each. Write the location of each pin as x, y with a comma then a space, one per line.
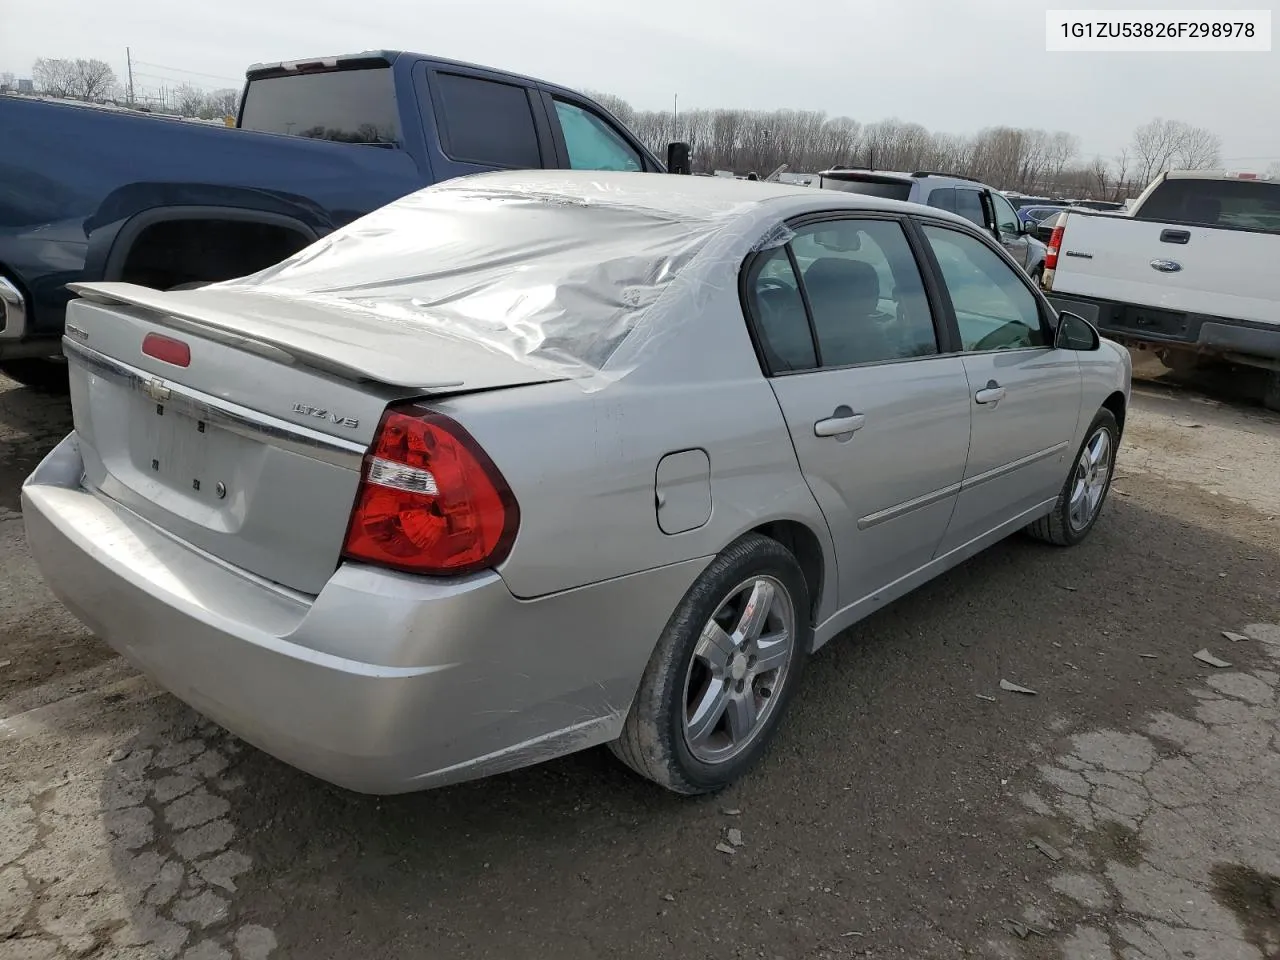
838, 426
991, 393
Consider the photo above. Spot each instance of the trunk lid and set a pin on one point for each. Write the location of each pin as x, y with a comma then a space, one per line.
252, 451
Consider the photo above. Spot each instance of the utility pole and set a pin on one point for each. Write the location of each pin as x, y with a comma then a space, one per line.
128, 56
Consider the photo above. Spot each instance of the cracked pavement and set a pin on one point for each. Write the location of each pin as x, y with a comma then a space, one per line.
897, 815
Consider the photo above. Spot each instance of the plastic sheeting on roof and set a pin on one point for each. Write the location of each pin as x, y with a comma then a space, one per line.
568, 274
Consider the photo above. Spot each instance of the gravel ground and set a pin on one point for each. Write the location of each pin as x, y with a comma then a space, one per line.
910, 807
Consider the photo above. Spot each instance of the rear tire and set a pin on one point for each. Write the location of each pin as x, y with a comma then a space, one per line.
39, 374
1086, 488
1271, 391
702, 716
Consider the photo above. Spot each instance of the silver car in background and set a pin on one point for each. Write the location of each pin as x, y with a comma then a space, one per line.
530, 462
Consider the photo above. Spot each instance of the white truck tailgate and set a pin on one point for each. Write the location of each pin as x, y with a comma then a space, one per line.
1218, 272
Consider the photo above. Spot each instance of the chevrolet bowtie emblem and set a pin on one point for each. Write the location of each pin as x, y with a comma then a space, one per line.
156, 389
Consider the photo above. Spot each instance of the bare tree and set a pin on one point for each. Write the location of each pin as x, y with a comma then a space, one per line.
222, 103
1198, 149
56, 78
94, 79
1274, 170
7, 81
189, 101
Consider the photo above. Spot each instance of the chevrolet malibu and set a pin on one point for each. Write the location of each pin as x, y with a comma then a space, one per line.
529, 462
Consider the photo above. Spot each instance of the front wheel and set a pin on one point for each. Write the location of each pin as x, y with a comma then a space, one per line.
1271, 391
1082, 496
723, 672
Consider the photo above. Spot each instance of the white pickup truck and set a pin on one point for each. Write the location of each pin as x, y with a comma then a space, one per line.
1191, 271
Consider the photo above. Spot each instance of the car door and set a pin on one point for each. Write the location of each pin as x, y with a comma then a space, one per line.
1025, 394
1009, 230
878, 413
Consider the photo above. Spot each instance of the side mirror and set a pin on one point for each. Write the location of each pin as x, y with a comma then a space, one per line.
1076, 333
678, 158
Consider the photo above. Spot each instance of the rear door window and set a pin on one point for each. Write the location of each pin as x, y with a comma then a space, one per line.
944, 199
349, 106
592, 142
969, 206
486, 122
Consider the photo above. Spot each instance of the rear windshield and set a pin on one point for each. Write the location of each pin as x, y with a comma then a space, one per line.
1252, 204
890, 190
349, 106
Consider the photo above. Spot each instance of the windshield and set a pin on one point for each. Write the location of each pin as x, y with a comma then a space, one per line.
1249, 204
348, 106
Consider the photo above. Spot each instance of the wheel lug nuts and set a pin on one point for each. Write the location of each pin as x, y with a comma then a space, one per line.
765, 693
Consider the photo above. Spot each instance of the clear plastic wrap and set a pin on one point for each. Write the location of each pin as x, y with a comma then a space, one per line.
561, 271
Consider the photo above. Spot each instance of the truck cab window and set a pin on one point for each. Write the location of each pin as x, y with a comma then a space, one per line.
486, 122
349, 106
592, 142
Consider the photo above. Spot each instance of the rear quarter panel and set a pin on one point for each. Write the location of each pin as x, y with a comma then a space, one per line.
583, 465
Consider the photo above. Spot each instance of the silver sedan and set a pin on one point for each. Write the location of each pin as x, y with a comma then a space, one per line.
530, 462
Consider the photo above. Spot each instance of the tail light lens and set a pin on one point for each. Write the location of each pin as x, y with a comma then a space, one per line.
430, 499
1055, 244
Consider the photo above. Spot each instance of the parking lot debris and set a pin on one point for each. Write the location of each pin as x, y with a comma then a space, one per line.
117, 755
725, 848
1189, 424
1234, 637
1149, 656
1022, 930
731, 812
1204, 656
1016, 688
1048, 850
6, 663
669, 898
983, 696
734, 836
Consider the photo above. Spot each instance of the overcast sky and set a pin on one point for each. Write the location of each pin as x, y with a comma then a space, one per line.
954, 65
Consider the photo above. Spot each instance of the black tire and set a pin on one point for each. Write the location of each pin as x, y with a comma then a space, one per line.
1037, 276
1271, 391
653, 741
40, 374
1056, 528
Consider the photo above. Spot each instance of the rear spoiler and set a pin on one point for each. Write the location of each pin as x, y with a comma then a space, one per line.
287, 343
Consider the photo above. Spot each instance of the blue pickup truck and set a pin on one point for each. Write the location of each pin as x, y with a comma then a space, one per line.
88, 193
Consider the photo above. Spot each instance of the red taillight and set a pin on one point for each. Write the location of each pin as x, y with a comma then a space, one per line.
430, 499
1055, 243
167, 349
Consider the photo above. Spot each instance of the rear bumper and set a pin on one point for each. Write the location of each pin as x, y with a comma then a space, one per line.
1239, 339
383, 683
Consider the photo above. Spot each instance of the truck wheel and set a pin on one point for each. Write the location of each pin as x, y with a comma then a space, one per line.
723, 672
1086, 488
40, 374
1271, 392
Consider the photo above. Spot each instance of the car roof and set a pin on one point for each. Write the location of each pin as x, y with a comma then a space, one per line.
685, 197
